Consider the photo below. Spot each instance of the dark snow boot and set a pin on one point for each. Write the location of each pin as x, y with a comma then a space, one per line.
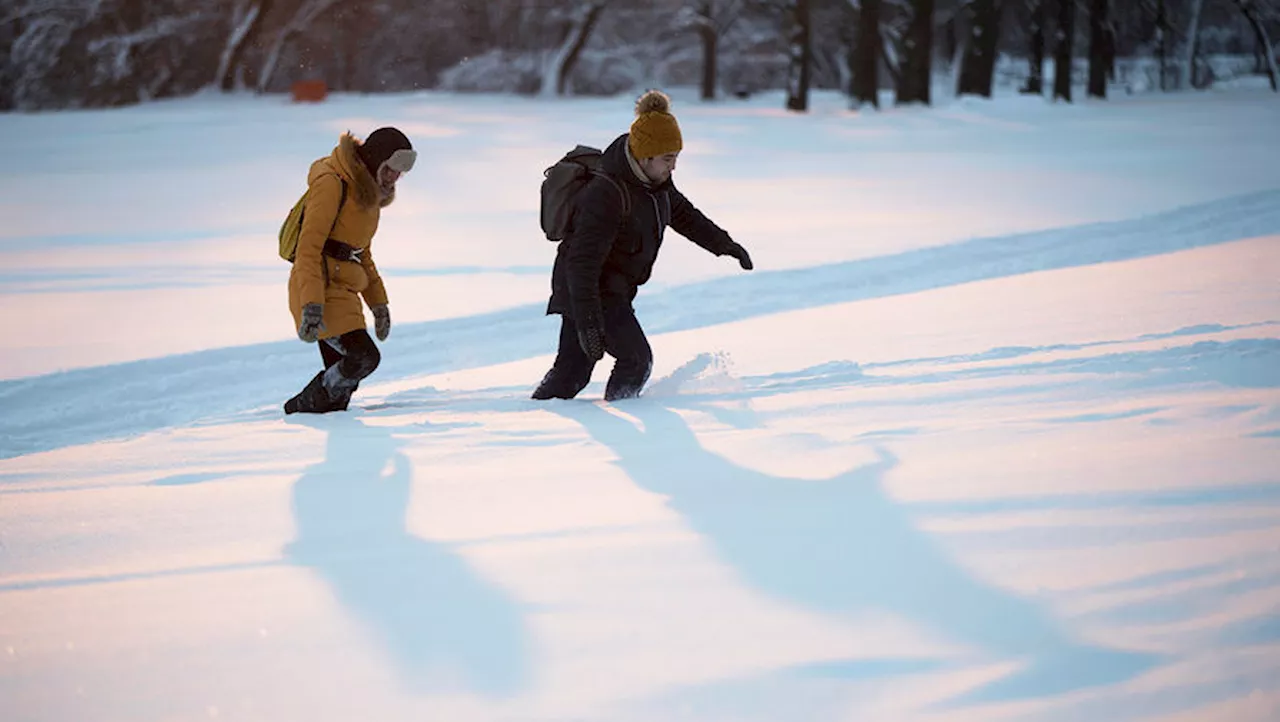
328, 391
338, 387
343, 398
314, 399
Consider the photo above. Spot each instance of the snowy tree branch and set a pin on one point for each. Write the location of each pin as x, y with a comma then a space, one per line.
306, 14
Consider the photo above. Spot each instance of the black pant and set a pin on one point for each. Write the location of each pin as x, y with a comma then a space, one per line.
348, 359
623, 339
355, 353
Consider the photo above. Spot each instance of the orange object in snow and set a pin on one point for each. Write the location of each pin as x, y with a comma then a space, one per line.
309, 91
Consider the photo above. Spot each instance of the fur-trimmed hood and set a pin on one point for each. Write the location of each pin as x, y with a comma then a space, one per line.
345, 161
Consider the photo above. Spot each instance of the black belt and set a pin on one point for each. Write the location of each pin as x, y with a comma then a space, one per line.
341, 251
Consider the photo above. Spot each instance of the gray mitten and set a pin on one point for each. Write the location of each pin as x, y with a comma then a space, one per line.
312, 322
381, 321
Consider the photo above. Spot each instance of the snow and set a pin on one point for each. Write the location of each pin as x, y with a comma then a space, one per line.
990, 433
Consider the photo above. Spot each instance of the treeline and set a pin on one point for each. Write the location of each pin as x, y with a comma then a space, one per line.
89, 53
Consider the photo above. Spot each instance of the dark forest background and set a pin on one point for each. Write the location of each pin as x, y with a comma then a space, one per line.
90, 53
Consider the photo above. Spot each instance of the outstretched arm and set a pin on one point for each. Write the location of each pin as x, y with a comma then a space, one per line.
689, 222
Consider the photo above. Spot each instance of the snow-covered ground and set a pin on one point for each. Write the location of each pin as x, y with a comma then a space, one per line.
992, 432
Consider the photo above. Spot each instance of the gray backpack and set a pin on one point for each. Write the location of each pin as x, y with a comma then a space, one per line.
562, 182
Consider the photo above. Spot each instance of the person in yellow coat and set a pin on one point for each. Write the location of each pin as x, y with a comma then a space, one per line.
334, 264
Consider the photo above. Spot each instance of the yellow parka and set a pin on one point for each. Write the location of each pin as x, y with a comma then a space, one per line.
355, 227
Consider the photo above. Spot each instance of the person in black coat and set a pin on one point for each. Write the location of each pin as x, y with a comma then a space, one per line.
610, 250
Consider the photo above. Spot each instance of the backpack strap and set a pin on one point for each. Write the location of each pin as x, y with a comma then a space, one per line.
626, 197
342, 199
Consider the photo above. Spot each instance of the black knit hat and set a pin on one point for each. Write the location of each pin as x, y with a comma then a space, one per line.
379, 146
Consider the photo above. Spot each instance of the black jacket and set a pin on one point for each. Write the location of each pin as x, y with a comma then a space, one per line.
607, 257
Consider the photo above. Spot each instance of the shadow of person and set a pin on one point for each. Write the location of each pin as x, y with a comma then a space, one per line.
442, 624
842, 545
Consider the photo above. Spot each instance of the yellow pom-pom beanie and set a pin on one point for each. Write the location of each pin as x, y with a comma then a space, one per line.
655, 131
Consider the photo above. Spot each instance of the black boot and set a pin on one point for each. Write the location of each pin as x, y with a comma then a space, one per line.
338, 387
554, 387
343, 398
314, 399
545, 392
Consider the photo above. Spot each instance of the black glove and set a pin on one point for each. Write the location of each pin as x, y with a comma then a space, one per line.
740, 253
591, 335
381, 320
312, 322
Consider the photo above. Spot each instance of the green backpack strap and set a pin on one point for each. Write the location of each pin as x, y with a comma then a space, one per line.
342, 199
291, 229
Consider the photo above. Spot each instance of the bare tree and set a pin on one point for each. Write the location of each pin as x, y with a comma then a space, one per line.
41, 39
711, 19
577, 24
867, 50
800, 52
866, 55
1064, 54
917, 63
350, 16
69, 53
895, 17
1253, 13
1101, 47
245, 17
1039, 10
1193, 42
306, 14
64, 53
978, 60
117, 49
1162, 41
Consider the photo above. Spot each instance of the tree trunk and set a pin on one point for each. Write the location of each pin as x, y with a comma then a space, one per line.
710, 42
889, 56
1250, 10
1193, 42
243, 19
978, 62
580, 38
917, 46
959, 33
1100, 44
1162, 42
1065, 52
238, 69
306, 14
234, 77
1035, 78
801, 54
557, 69
354, 21
866, 56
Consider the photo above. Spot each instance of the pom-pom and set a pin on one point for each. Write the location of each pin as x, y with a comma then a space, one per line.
653, 101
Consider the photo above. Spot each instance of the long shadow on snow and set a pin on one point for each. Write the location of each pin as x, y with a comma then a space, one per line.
1240, 363
442, 623
842, 545
81, 406
815, 693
